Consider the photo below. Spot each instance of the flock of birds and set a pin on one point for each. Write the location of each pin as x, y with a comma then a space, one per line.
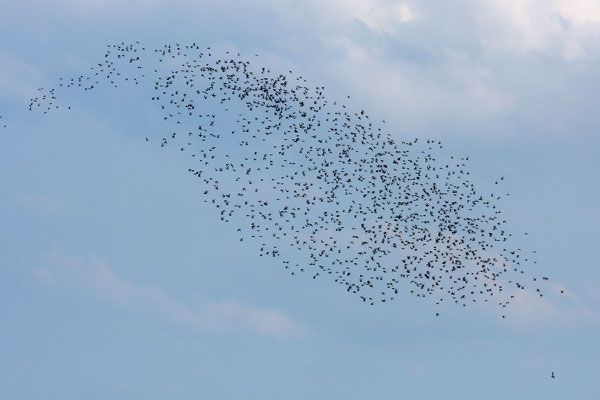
321, 189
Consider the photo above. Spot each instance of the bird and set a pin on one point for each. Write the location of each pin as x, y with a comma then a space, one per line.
553, 377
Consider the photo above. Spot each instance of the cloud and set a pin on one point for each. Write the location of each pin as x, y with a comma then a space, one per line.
19, 80
266, 322
381, 16
529, 310
94, 6
488, 68
94, 276
568, 28
456, 88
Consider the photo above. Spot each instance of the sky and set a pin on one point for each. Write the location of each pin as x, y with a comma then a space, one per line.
116, 281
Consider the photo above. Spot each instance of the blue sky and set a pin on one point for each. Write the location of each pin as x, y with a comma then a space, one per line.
117, 282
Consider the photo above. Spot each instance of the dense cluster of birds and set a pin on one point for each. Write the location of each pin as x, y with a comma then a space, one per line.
321, 189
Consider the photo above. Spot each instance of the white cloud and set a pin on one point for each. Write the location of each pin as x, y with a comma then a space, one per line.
404, 12
470, 67
19, 80
454, 89
473, 68
380, 16
92, 6
64, 270
529, 310
266, 322
568, 28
